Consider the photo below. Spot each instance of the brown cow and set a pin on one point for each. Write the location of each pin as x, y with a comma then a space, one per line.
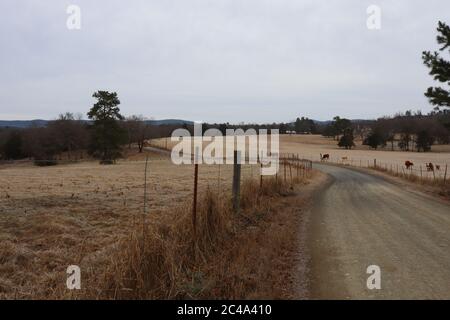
408, 164
324, 157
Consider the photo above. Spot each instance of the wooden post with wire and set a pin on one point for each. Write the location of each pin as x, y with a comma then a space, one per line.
145, 202
290, 172
277, 168
194, 203
236, 181
261, 177
218, 181
145, 184
445, 174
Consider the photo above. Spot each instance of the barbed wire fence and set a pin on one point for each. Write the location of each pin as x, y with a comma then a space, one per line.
290, 167
426, 172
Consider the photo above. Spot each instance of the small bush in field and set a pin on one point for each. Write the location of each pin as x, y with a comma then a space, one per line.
45, 163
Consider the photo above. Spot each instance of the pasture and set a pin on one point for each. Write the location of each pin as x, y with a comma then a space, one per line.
52, 217
311, 146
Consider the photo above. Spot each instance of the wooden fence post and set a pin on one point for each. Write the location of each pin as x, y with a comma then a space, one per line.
145, 184
218, 181
261, 177
194, 204
236, 181
445, 174
290, 172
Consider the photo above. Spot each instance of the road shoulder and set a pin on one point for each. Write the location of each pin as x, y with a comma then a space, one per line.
299, 257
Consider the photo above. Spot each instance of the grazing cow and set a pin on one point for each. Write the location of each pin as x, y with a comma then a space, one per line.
324, 157
438, 167
430, 167
408, 164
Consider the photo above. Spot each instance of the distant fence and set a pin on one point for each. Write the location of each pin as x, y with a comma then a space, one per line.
291, 169
422, 172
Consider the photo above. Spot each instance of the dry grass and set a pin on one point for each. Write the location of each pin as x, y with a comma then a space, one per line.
224, 258
311, 146
91, 215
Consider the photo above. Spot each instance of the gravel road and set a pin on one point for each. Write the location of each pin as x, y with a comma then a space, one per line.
360, 220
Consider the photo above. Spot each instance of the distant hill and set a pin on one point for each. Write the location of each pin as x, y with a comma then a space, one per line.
168, 122
43, 123
325, 122
22, 123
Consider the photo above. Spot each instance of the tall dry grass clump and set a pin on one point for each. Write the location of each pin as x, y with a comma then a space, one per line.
168, 259
157, 260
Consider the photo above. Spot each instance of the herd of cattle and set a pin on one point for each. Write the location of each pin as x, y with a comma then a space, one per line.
408, 164
430, 166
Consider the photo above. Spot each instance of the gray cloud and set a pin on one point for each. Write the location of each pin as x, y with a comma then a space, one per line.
218, 60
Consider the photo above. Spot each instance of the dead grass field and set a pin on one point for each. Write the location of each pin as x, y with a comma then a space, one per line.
52, 217
311, 146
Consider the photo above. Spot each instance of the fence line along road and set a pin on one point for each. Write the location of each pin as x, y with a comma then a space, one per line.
439, 171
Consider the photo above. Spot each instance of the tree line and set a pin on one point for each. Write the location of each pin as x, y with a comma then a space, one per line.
409, 131
103, 136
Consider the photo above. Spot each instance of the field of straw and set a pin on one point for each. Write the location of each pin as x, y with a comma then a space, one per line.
311, 146
92, 216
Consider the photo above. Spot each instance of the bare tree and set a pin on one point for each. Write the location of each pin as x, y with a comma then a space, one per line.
137, 130
70, 133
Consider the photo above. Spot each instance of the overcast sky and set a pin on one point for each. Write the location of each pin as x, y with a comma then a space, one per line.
217, 60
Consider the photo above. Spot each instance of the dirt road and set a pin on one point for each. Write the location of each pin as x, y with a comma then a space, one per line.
361, 220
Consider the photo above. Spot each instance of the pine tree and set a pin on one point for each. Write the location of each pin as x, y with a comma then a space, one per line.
439, 69
107, 134
347, 139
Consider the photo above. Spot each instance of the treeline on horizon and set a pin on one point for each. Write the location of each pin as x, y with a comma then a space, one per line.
409, 131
